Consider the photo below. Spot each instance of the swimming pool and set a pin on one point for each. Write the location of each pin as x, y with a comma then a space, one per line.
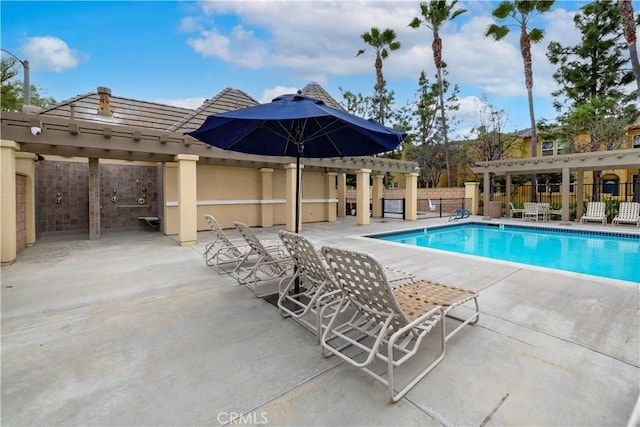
604, 254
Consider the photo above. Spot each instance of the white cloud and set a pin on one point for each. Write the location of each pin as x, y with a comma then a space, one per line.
192, 103
49, 53
270, 93
240, 47
318, 41
189, 24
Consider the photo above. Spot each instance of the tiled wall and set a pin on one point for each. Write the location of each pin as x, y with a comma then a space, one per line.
129, 183
62, 193
69, 212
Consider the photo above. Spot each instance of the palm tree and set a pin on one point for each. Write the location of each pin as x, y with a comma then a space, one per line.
434, 15
629, 27
522, 11
383, 43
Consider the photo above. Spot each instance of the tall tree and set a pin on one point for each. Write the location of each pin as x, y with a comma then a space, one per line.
522, 12
629, 29
434, 15
382, 43
11, 95
592, 76
490, 140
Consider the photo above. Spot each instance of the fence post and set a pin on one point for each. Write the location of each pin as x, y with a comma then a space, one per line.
404, 208
440, 206
382, 200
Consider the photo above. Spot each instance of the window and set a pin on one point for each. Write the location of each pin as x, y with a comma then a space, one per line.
561, 146
636, 141
610, 186
547, 148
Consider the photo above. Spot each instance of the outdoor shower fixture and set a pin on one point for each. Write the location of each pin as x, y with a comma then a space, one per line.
143, 197
115, 198
58, 198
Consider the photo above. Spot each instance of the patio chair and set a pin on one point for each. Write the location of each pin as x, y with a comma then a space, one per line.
595, 212
269, 265
432, 207
530, 211
390, 324
317, 285
628, 212
544, 211
223, 252
513, 211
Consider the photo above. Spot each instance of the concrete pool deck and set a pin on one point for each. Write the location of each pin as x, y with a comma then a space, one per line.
136, 330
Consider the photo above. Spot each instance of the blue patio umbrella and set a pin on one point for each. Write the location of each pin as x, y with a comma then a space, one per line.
297, 126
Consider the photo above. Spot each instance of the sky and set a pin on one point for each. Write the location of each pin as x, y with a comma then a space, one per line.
183, 52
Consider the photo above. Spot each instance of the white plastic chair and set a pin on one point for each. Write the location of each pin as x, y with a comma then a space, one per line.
628, 212
595, 212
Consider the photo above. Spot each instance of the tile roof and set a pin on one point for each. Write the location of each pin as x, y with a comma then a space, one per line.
126, 111
227, 100
314, 90
153, 115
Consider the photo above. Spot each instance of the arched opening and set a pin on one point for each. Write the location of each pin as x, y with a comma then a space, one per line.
610, 184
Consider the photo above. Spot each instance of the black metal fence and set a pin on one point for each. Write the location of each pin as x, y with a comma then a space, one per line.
612, 193
427, 208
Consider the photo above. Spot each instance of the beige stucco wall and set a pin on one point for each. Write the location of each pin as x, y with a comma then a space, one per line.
170, 185
25, 166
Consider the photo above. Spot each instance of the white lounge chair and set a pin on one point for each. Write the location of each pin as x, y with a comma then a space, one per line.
269, 265
224, 253
432, 207
317, 286
390, 323
595, 212
514, 211
628, 212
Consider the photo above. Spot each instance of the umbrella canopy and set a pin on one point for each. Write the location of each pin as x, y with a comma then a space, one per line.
297, 126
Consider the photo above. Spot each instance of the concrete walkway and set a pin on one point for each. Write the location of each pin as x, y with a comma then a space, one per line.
135, 330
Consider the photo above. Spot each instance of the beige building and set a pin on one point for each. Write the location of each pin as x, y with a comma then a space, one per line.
99, 162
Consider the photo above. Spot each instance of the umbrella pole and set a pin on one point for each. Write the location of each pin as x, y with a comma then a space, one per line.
297, 284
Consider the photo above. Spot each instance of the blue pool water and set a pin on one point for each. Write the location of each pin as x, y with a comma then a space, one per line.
611, 255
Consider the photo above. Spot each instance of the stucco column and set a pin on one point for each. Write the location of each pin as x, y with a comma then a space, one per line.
331, 196
25, 165
411, 196
362, 196
376, 195
8, 233
290, 191
566, 178
266, 209
579, 194
94, 199
472, 193
486, 193
342, 195
187, 199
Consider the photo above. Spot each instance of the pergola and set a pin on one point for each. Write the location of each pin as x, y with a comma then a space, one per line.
25, 135
565, 163
93, 139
